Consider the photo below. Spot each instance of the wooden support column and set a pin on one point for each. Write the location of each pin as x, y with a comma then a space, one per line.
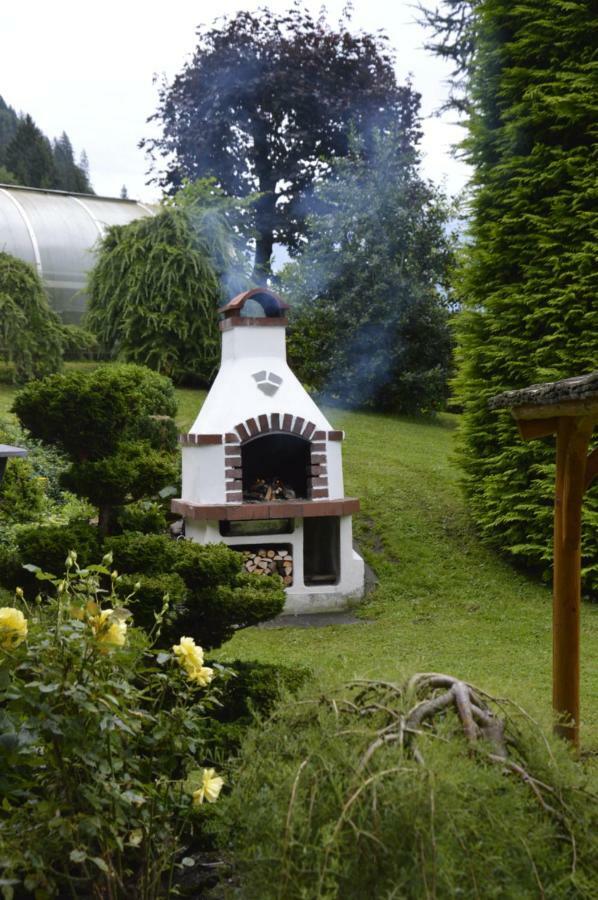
569, 409
573, 437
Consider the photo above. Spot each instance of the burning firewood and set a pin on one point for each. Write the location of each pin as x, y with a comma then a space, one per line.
265, 491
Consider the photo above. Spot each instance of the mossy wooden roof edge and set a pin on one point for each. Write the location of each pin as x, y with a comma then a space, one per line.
570, 396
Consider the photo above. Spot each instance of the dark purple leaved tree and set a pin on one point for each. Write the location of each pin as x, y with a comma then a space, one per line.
266, 101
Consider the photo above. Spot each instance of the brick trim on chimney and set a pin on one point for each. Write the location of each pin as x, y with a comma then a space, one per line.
276, 423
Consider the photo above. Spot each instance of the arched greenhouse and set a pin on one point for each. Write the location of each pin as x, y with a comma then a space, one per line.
57, 233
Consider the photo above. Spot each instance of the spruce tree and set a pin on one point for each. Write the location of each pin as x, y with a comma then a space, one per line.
529, 282
29, 156
69, 176
9, 122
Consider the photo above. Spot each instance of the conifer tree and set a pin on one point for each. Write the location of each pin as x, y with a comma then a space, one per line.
9, 122
529, 283
29, 156
69, 176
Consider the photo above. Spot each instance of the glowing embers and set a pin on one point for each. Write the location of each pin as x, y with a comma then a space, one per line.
275, 467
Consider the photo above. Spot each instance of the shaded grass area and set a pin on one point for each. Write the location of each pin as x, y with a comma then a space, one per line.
444, 601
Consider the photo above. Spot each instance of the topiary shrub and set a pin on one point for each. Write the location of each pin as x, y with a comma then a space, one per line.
381, 791
144, 516
151, 554
30, 330
220, 599
114, 425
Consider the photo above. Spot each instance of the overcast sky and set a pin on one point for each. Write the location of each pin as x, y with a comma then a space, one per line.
88, 69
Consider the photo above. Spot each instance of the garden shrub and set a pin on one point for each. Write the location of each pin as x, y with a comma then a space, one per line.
151, 554
220, 598
30, 330
331, 800
114, 425
48, 548
22, 493
250, 692
8, 373
101, 746
145, 516
47, 462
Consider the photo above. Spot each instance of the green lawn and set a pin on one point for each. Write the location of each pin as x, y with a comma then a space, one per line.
444, 602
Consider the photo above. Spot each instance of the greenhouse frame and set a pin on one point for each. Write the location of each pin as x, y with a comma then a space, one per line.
58, 234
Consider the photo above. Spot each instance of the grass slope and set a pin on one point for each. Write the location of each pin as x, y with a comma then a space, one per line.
444, 602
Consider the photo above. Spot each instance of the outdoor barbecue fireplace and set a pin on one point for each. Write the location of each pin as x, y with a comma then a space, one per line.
262, 467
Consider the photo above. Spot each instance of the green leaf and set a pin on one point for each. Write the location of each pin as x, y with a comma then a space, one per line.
78, 856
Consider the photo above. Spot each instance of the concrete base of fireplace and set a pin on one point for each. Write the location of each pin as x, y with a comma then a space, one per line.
301, 596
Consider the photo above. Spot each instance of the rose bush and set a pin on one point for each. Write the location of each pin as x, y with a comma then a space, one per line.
104, 763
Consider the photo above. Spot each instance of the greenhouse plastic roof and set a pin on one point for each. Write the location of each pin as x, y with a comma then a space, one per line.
57, 233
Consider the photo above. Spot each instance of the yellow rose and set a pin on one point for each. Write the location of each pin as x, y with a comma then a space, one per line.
202, 676
190, 657
13, 627
109, 629
211, 785
189, 653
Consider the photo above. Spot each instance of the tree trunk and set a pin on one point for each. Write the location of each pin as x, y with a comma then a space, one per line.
104, 516
265, 207
262, 269
264, 215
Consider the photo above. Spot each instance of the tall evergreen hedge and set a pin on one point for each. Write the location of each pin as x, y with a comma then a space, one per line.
529, 280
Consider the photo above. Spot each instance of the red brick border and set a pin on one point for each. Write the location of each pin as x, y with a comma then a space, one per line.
284, 423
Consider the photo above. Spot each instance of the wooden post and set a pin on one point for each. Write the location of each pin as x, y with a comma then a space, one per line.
573, 436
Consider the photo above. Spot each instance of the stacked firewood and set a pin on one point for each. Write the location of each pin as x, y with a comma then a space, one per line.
269, 562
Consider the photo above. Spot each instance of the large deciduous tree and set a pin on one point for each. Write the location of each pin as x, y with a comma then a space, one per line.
369, 298
529, 282
266, 100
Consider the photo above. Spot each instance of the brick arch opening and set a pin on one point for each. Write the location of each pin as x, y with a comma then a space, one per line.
306, 470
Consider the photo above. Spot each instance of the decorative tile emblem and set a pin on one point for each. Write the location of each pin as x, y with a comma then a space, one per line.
267, 382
